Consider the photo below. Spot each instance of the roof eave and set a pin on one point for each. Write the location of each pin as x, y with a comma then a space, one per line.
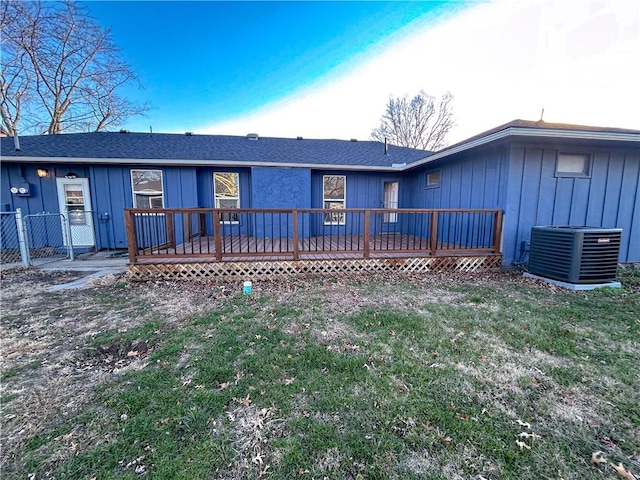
529, 132
198, 163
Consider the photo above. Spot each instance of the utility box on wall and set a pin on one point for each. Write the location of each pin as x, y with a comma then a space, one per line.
580, 255
21, 190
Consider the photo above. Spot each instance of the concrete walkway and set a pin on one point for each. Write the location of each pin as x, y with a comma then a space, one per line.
96, 265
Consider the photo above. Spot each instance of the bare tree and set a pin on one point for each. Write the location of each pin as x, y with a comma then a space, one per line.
61, 71
419, 122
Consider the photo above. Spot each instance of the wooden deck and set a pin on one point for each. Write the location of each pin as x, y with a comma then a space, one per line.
246, 249
173, 243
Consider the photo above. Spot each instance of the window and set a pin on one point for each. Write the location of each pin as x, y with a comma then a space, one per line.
226, 190
333, 196
147, 188
433, 179
573, 165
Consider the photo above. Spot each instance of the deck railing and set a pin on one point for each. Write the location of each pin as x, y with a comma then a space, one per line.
302, 233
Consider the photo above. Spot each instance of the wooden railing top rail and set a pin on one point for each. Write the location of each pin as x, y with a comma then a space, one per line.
164, 235
311, 210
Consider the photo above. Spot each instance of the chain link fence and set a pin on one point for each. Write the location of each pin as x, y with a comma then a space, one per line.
9, 239
35, 239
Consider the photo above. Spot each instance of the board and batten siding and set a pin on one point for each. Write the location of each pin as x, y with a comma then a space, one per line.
467, 181
608, 197
109, 187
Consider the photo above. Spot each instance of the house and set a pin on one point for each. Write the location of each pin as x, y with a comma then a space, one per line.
536, 173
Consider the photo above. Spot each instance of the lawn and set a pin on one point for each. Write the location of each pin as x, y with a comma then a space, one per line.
438, 377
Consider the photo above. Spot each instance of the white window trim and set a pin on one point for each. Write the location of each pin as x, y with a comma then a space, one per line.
587, 165
133, 187
426, 179
216, 198
342, 220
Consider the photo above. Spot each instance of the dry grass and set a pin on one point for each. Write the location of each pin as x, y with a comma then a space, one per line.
383, 377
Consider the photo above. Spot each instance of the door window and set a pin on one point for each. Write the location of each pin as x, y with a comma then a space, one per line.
390, 201
74, 204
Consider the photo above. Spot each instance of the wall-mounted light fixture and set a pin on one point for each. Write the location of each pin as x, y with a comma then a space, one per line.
42, 172
70, 175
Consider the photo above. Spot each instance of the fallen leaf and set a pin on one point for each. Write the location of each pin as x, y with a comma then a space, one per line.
623, 472
223, 386
597, 458
244, 401
524, 424
533, 436
133, 353
402, 388
288, 381
462, 416
522, 445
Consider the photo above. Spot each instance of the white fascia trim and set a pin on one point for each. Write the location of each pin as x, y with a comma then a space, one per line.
196, 163
530, 132
508, 132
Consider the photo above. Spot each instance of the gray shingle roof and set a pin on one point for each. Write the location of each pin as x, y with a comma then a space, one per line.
114, 146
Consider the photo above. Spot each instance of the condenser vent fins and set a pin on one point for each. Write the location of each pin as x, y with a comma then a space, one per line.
580, 255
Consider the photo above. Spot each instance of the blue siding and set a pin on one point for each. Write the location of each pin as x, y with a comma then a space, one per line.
110, 190
469, 181
279, 188
364, 190
608, 198
205, 197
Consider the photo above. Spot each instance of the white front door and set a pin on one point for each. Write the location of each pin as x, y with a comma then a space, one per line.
75, 205
390, 201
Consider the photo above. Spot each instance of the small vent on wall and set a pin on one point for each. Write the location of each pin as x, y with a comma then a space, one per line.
252, 136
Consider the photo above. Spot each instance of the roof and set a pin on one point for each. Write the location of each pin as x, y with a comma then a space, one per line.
146, 148
527, 129
221, 150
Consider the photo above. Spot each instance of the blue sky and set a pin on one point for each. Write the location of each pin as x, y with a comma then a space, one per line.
202, 62
327, 69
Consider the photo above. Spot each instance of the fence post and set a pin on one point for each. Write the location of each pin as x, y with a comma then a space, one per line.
367, 222
132, 242
66, 225
433, 234
497, 232
296, 253
216, 235
22, 239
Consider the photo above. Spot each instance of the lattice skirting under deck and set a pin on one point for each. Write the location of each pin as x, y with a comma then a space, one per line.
269, 269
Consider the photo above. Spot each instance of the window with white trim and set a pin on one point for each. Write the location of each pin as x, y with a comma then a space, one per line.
334, 190
573, 165
147, 187
433, 179
226, 192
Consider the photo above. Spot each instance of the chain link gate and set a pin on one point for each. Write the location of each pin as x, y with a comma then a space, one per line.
36, 239
46, 237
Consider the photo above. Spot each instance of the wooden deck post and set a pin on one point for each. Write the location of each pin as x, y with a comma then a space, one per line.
216, 235
367, 222
497, 231
296, 252
171, 231
187, 227
132, 242
433, 234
